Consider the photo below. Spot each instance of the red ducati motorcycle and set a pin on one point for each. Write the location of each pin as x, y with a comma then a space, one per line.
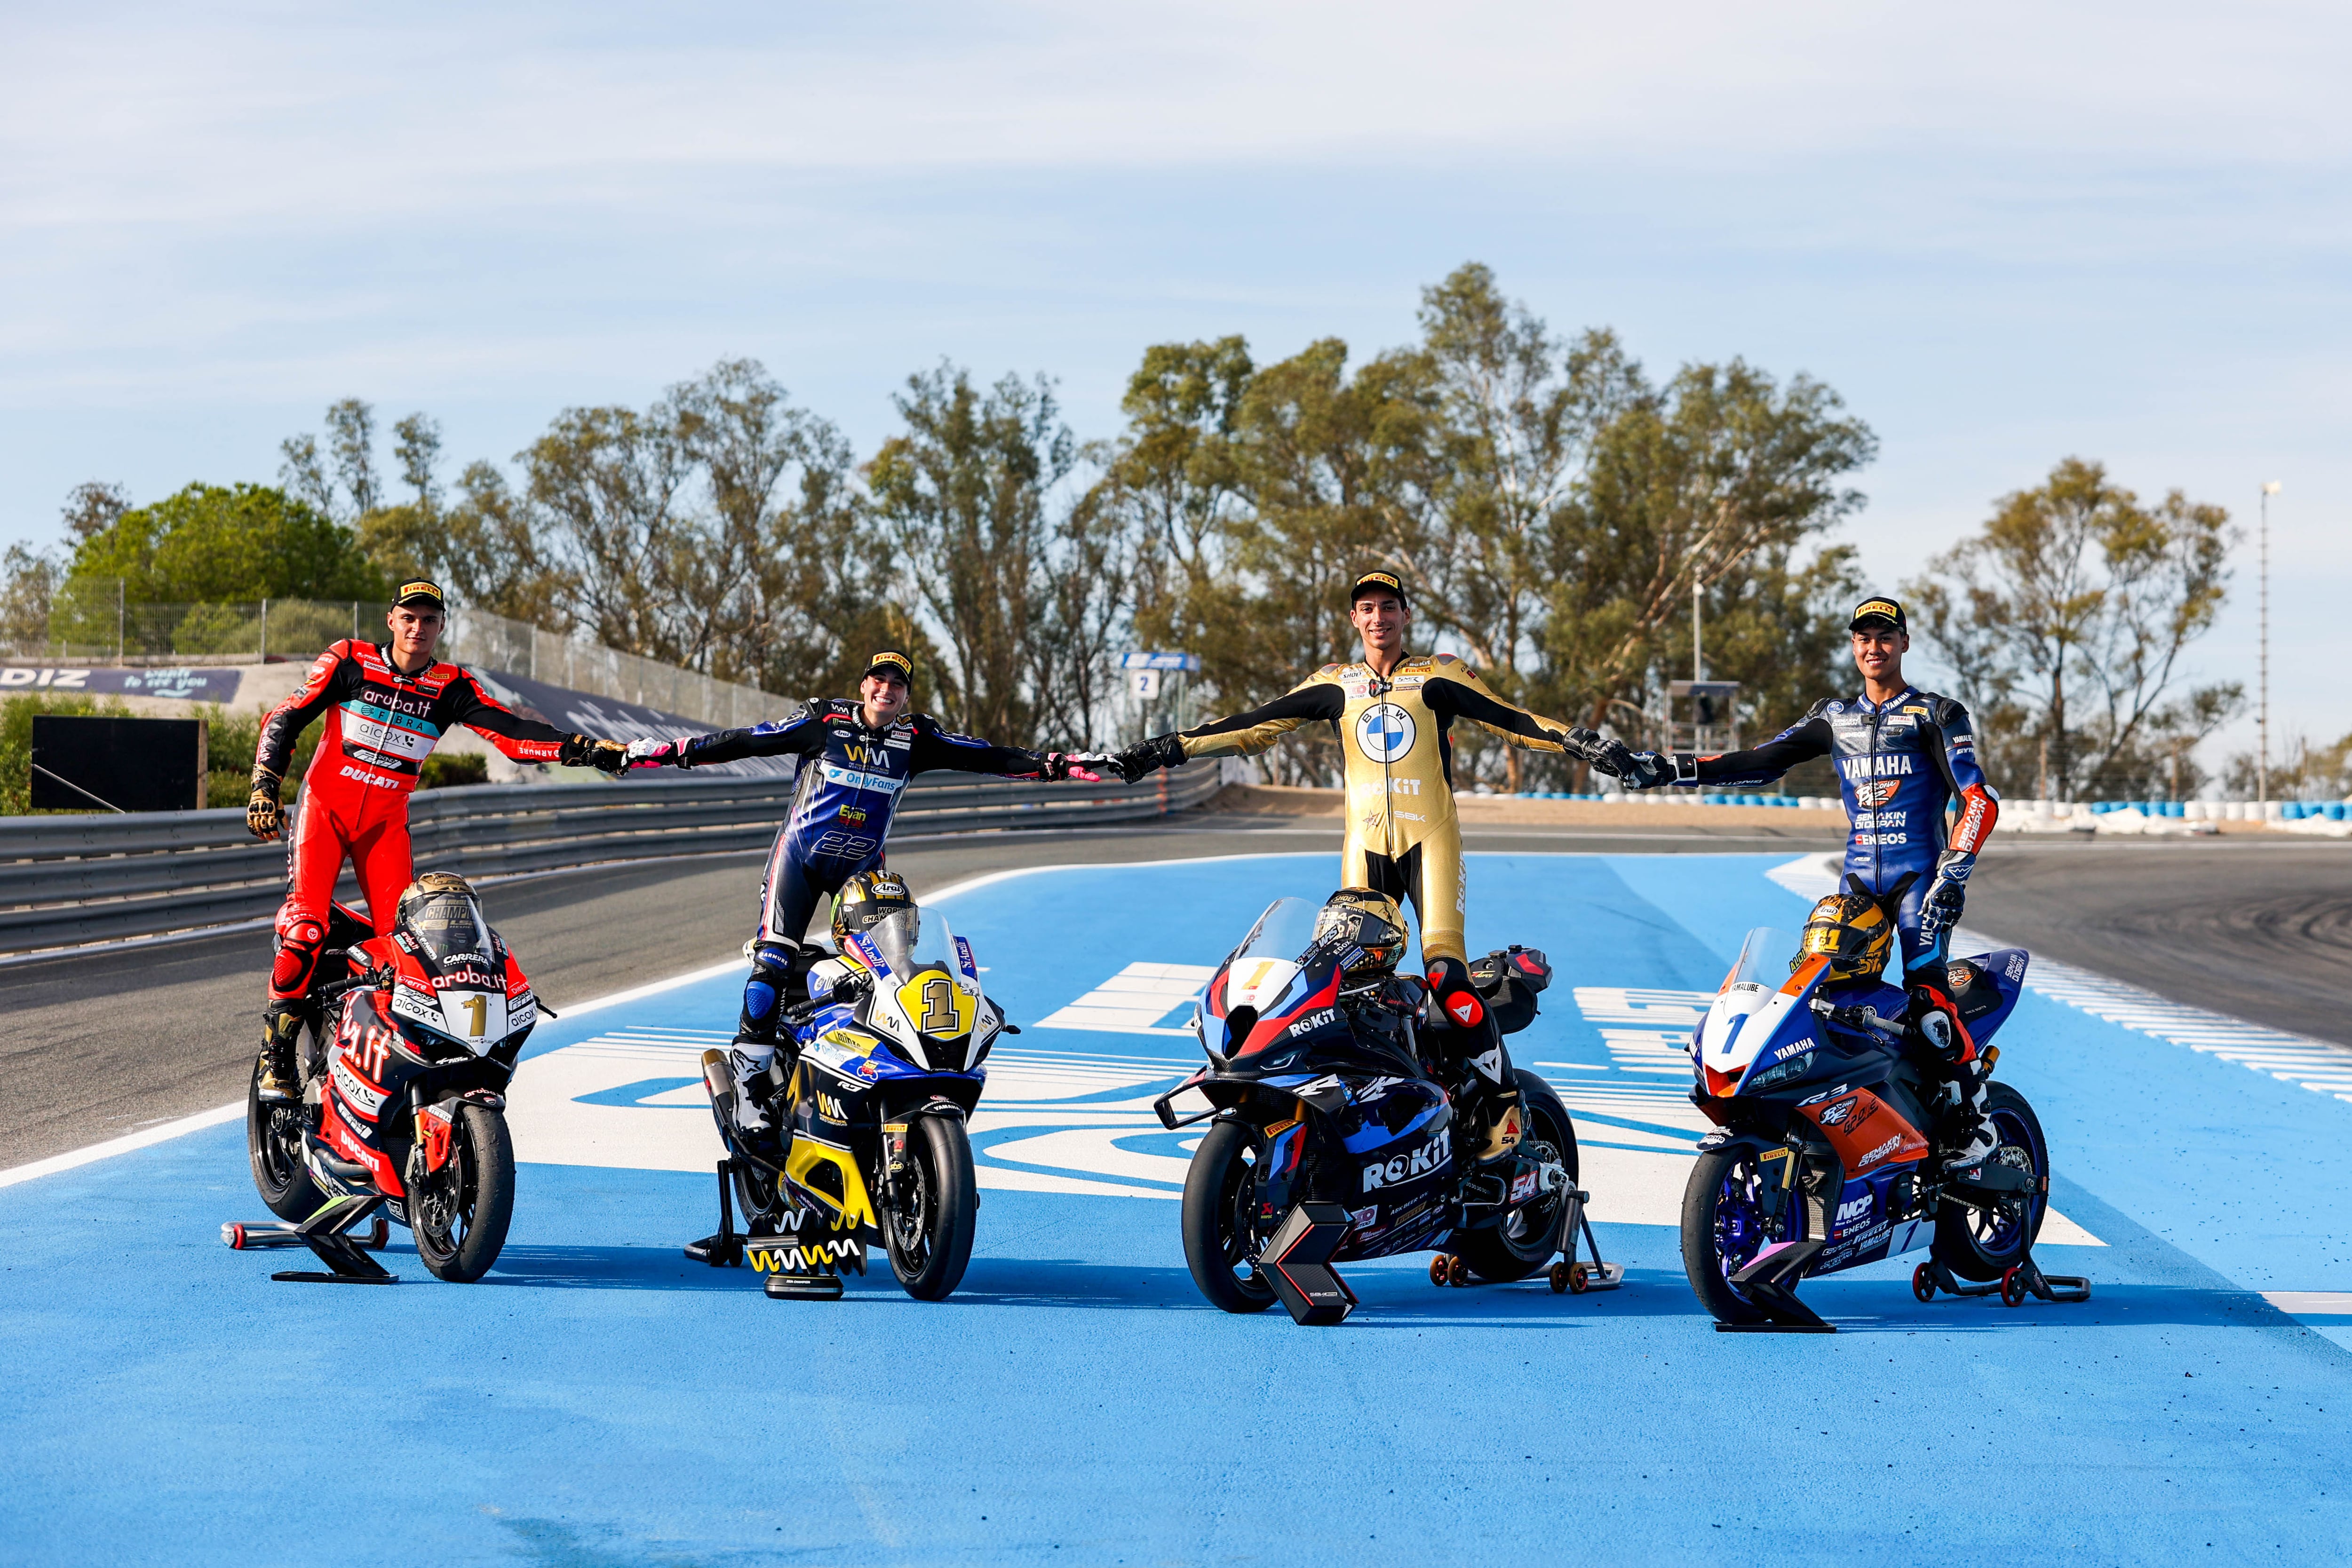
404, 1067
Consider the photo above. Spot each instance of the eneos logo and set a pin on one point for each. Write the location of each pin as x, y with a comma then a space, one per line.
1385, 732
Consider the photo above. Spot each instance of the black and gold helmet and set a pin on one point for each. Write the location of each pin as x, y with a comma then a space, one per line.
1851, 929
1366, 928
440, 913
866, 901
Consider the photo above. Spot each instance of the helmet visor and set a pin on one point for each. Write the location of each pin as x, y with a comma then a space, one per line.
447, 924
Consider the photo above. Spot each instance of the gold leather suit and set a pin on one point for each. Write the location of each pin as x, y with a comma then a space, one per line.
1403, 836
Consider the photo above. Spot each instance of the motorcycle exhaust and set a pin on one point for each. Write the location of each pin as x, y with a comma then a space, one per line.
718, 1077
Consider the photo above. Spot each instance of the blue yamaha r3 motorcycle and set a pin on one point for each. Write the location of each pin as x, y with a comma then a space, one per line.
885, 1063
1329, 1137
1823, 1161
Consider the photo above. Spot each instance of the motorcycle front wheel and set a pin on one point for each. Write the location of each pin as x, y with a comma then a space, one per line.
929, 1228
1984, 1244
1725, 1226
1220, 1231
460, 1212
273, 1142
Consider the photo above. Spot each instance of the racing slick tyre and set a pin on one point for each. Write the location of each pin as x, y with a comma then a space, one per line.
460, 1212
1221, 1239
928, 1230
1724, 1226
1983, 1244
1525, 1239
273, 1142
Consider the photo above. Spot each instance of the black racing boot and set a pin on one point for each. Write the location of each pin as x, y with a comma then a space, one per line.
281, 1028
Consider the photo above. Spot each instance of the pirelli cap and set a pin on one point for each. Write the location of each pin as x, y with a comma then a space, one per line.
1878, 609
1387, 580
889, 663
418, 594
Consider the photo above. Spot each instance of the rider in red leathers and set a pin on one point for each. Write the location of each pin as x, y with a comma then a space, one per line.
385, 707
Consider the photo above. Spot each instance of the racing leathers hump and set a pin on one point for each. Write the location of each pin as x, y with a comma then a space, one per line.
1395, 738
1901, 764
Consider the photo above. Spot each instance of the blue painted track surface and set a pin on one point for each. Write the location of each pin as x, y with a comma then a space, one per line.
599, 1400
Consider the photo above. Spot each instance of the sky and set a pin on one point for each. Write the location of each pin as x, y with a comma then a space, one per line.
2008, 236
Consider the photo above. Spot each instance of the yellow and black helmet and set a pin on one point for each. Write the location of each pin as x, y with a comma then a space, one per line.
866, 901
1365, 928
1851, 929
439, 910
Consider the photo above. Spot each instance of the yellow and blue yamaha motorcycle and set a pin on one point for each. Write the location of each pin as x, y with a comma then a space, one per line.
885, 1063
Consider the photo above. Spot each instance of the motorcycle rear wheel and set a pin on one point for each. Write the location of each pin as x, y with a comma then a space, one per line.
1977, 1245
1219, 1239
273, 1142
929, 1231
1724, 1228
1525, 1241
461, 1213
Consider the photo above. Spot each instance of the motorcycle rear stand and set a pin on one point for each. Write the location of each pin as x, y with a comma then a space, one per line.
1569, 1274
2021, 1279
724, 1249
325, 1233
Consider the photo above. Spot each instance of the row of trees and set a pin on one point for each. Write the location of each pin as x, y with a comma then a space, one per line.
1557, 510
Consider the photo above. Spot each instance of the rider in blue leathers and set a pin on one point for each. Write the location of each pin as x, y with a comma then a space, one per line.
1904, 757
857, 756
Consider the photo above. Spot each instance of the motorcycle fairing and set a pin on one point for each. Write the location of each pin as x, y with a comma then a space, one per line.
1864, 1230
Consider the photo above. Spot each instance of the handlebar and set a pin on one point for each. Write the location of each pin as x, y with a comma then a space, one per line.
1858, 1017
334, 989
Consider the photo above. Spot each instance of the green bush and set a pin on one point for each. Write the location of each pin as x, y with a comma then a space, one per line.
445, 769
16, 715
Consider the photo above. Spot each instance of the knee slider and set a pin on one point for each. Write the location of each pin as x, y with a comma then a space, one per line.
298, 942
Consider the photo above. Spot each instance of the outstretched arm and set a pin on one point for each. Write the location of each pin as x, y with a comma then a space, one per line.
1457, 690
801, 734
526, 739
1802, 742
1318, 696
933, 748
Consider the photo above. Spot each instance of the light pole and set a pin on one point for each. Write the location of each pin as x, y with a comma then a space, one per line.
2263, 709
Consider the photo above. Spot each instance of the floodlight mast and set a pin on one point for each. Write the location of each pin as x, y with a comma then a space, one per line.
2262, 709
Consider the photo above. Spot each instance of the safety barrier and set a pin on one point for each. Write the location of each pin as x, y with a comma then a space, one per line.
70, 880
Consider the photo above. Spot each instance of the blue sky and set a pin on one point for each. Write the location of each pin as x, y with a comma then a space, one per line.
2117, 231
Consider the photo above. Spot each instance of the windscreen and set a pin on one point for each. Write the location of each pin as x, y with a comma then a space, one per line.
1764, 958
912, 939
449, 924
1285, 931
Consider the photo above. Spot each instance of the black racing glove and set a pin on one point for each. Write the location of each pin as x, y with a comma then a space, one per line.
1148, 756
265, 819
587, 751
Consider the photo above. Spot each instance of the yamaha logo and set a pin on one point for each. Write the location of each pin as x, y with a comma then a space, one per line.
1384, 732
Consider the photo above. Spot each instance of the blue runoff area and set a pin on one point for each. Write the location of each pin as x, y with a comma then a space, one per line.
599, 1400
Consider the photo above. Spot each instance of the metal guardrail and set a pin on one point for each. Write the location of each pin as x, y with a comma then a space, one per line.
69, 879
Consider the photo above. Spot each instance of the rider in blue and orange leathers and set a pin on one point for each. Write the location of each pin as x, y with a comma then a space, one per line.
1904, 757
858, 755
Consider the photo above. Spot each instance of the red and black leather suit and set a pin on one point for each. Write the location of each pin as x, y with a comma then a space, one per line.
380, 726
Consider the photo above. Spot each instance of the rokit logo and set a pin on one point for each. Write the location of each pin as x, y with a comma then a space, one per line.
1430, 1157
1314, 1020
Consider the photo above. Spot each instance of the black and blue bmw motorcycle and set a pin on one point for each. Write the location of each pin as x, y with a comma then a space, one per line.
1329, 1137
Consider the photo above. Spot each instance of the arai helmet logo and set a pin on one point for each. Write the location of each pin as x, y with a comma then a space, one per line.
1384, 732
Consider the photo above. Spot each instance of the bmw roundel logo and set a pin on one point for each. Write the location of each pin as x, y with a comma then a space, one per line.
1384, 732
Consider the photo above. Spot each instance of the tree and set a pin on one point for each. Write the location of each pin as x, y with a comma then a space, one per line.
213, 544
1521, 411
93, 506
28, 581
2065, 620
965, 492
340, 482
608, 481
1696, 485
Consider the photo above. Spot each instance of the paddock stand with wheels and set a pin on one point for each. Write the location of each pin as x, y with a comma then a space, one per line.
1570, 1274
2022, 1279
326, 1233
770, 1255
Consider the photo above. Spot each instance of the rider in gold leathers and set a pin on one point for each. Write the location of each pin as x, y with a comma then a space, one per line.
1392, 714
